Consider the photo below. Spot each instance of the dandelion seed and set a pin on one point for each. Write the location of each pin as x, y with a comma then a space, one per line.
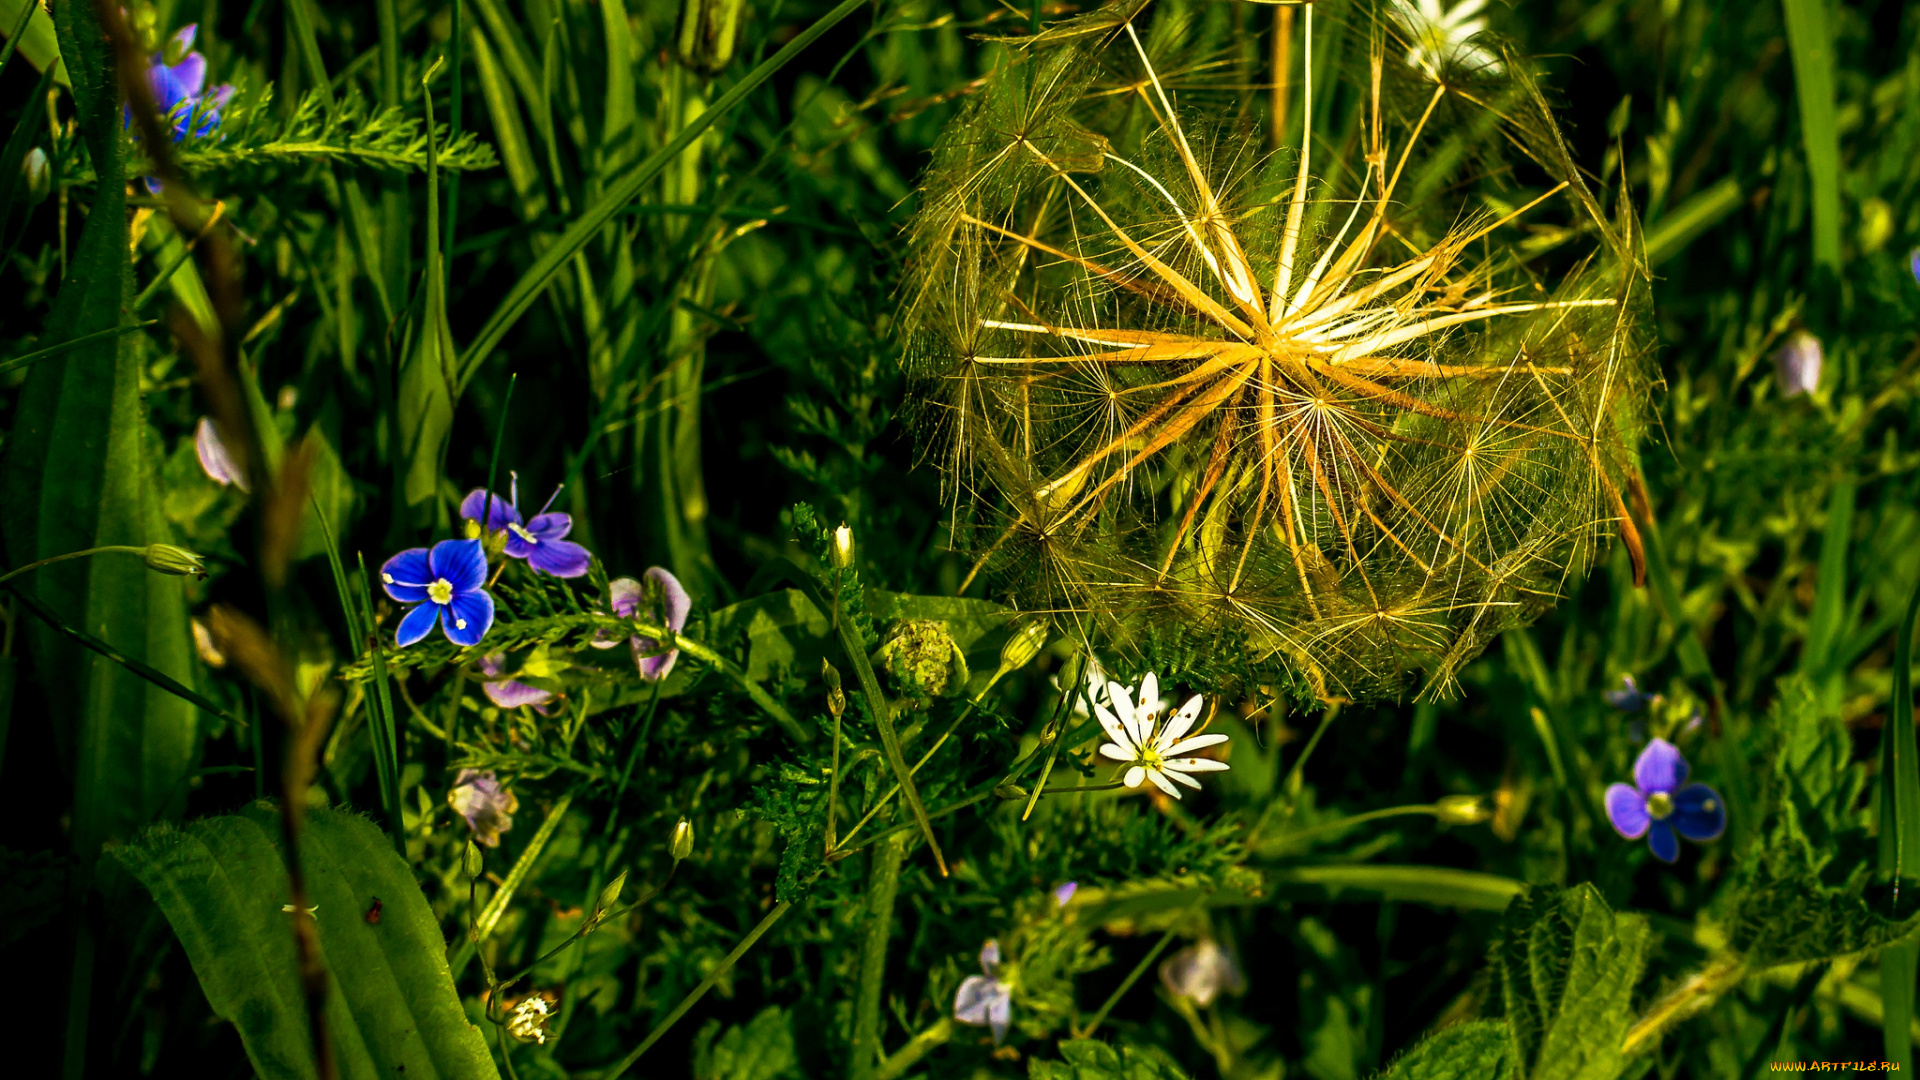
445, 583
485, 803
1151, 756
1443, 38
215, 461
541, 541
656, 598
1797, 363
1657, 807
984, 1000
1200, 971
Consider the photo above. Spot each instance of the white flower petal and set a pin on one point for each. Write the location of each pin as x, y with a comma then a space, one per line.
1121, 735
1149, 700
1115, 752
1198, 742
1135, 776
1182, 721
1184, 779
1160, 781
1197, 764
1122, 700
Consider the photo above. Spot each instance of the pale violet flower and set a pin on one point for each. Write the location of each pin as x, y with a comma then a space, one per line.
657, 598
1063, 894
215, 460
1151, 755
983, 999
1443, 37
1200, 971
1796, 365
486, 804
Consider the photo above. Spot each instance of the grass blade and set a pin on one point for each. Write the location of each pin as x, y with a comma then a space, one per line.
588, 224
1899, 807
1811, 41
385, 760
1680, 226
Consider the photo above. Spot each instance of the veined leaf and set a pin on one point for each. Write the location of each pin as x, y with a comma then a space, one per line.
78, 475
1089, 1059
1566, 965
392, 1010
1480, 1050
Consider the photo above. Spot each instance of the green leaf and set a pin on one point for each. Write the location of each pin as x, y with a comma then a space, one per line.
1090, 1059
762, 1050
1566, 965
39, 44
78, 475
1479, 1050
1811, 41
392, 1011
1899, 809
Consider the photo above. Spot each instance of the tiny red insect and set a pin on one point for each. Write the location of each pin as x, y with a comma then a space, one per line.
373, 913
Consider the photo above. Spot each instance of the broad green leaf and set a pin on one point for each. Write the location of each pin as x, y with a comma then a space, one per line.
78, 475
1090, 1059
762, 1050
1566, 965
1478, 1050
392, 1011
1811, 41
39, 44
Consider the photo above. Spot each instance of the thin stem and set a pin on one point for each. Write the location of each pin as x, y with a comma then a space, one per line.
11, 574
1359, 819
1074, 685
1127, 983
1294, 776
693, 996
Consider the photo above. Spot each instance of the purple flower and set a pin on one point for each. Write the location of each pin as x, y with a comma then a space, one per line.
1200, 971
1913, 263
539, 541
487, 806
656, 599
984, 999
179, 88
446, 584
509, 693
215, 461
1629, 698
1063, 895
1657, 806
1796, 365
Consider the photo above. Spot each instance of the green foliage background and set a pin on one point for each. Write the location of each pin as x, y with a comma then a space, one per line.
649, 250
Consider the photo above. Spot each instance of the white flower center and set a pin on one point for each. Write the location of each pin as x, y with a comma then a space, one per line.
523, 534
441, 591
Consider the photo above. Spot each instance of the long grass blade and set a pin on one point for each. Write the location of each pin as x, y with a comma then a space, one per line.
1899, 806
1811, 40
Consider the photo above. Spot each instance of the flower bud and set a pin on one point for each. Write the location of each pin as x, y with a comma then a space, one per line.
39, 175
609, 896
836, 697
681, 845
1022, 646
842, 548
474, 862
1463, 809
169, 559
1010, 791
1797, 364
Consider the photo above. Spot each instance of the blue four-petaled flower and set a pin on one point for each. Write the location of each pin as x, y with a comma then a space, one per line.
984, 999
447, 585
179, 89
1660, 803
540, 541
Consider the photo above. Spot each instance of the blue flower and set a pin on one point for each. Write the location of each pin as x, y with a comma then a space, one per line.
984, 999
1656, 806
539, 541
179, 88
446, 584
1629, 698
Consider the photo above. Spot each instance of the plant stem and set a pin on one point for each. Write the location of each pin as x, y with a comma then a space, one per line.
693, 996
50, 560
1127, 983
1072, 684
883, 884
909, 1055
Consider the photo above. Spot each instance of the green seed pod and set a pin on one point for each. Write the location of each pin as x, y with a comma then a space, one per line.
169, 559
1022, 646
1463, 809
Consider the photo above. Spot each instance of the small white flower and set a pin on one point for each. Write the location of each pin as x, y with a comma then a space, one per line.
1097, 683
1444, 37
527, 1020
1152, 756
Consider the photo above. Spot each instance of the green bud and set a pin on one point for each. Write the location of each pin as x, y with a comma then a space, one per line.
1463, 809
1023, 646
708, 30
842, 547
1010, 791
39, 175
836, 697
681, 845
174, 560
474, 861
603, 903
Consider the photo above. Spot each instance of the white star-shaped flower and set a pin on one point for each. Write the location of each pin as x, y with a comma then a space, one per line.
1150, 755
1444, 36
